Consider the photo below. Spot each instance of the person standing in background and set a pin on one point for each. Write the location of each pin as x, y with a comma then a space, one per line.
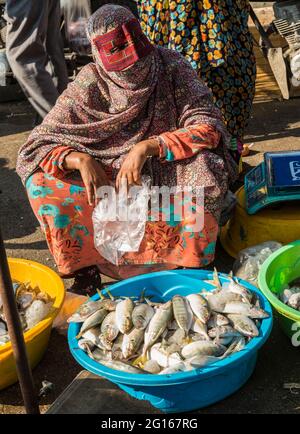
215, 38
33, 41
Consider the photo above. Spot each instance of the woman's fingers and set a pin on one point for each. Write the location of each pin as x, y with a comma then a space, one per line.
130, 180
137, 177
90, 191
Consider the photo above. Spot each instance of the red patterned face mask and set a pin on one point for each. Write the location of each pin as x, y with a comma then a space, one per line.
123, 46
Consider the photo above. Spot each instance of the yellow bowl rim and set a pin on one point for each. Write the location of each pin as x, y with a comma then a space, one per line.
42, 325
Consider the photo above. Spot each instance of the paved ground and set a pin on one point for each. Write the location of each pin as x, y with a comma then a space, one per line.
274, 126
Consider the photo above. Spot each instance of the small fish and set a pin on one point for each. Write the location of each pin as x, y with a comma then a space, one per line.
200, 328
117, 348
109, 326
99, 340
237, 288
124, 311
206, 348
121, 366
157, 325
25, 299
217, 320
236, 307
152, 367
177, 337
85, 344
92, 321
142, 315
202, 361
85, 310
294, 301
244, 325
173, 369
182, 313
132, 342
223, 332
199, 307
164, 359
36, 312
99, 355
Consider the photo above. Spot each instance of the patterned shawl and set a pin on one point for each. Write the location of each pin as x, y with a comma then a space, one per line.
105, 113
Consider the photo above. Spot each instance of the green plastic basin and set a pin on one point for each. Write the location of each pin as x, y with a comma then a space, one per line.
277, 271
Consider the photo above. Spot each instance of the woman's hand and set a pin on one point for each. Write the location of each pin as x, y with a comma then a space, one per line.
131, 169
92, 173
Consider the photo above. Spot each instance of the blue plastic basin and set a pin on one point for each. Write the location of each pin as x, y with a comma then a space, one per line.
186, 390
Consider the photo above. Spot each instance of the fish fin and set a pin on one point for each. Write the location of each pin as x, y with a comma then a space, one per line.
142, 297
151, 303
79, 335
216, 278
141, 360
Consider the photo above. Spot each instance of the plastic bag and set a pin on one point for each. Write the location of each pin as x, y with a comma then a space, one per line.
77, 13
249, 261
119, 225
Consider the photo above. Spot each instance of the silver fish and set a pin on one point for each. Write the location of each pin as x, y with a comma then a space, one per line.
236, 307
237, 288
132, 342
85, 344
152, 367
294, 301
85, 310
109, 326
124, 311
201, 361
99, 355
142, 315
117, 347
104, 343
217, 320
200, 328
162, 357
36, 312
121, 366
157, 325
182, 313
223, 332
244, 325
199, 307
92, 321
207, 348
173, 369
177, 337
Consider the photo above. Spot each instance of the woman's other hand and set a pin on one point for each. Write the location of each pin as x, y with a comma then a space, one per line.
92, 173
131, 169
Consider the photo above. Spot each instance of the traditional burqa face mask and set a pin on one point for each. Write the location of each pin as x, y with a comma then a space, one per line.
123, 46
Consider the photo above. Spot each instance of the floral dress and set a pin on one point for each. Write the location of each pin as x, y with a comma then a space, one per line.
215, 38
59, 201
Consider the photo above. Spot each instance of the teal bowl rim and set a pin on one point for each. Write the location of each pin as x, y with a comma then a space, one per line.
156, 380
263, 286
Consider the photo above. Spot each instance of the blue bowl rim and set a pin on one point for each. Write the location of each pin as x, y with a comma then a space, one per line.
183, 377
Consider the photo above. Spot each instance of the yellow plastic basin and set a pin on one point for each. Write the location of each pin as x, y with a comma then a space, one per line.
277, 223
36, 339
